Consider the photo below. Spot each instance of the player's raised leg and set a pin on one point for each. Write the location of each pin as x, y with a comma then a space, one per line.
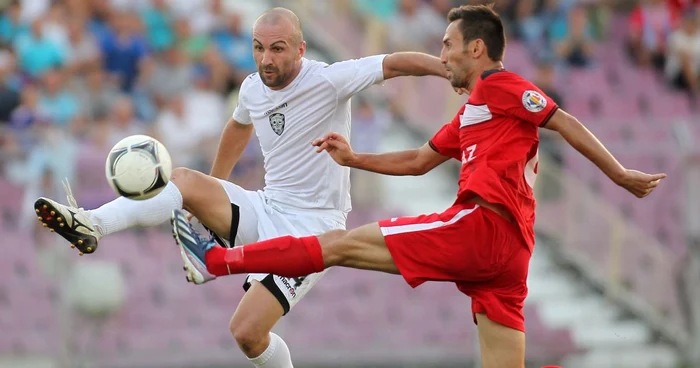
362, 248
501, 346
200, 194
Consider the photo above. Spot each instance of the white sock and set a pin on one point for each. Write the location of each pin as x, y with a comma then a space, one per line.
123, 213
275, 356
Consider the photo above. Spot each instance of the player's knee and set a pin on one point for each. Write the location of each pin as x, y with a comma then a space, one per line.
182, 177
190, 183
251, 340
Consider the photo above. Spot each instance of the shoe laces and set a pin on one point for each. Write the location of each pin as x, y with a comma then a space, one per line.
69, 195
201, 239
97, 229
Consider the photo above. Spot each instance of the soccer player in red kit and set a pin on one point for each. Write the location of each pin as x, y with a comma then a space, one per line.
482, 243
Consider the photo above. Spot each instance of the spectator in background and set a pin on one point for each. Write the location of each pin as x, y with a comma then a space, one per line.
180, 134
368, 126
442, 7
9, 96
166, 77
37, 53
10, 25
236, 46
32, 10
122, 121
374, 16
534, 22
157, 20
650, 23
123, 49
683, 57
99, 14
79, 9
205, 17
54, 25
205, 109
382, 10
679, 7
191, 44
529, 27
96, 94
416, 26
126, 5
507, 9
56, 102
222, 76
545, 79
572, 39
25, 119
83, 51
13, 77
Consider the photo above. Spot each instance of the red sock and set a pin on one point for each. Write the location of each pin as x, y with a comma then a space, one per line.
286, 256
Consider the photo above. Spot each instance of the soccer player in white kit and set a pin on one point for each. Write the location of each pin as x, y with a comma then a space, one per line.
290, 102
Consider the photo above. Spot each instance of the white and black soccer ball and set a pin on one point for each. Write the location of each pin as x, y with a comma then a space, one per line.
138, 167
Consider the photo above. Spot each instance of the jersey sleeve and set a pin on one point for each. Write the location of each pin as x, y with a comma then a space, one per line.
518, 98
352, 76
446, 140
241, 113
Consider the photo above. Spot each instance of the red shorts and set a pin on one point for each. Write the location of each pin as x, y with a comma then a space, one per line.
478, 250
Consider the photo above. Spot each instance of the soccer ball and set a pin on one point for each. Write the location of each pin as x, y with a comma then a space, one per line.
138, 167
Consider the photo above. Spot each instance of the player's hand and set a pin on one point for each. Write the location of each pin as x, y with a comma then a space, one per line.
640, 184
337, 146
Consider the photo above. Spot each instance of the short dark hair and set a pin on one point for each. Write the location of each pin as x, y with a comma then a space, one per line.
481, 21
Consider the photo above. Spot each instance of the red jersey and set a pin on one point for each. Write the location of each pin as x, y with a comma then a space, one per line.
496, 137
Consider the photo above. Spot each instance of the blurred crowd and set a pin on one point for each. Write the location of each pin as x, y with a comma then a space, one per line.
559, 37
79, 75
666, 36
661, 34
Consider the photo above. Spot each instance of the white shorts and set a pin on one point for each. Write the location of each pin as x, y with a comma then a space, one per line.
255, 218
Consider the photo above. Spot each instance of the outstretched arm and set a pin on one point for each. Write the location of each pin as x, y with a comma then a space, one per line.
412, 63
638, 183
410, 162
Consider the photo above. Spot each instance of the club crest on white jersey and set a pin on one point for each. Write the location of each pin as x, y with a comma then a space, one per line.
277, 123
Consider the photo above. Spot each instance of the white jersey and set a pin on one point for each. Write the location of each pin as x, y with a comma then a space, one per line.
286, 121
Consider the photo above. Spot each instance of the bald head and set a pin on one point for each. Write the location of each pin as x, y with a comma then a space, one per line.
278, 47
282, 18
